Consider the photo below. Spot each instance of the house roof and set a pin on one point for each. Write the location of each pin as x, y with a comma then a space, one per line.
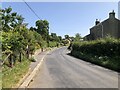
103, 22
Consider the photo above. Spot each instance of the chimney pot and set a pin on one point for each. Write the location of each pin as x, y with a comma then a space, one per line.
112, 14
97, 22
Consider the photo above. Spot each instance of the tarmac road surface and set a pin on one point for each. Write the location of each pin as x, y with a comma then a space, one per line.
60, 70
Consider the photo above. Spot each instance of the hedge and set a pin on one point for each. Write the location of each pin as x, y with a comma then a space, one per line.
104, 52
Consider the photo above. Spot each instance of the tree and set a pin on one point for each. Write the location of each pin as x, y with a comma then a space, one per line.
18, 41
13, 44
77, 37
32, 29
53, 37
60, 39
43, 28
67, 37
9, 19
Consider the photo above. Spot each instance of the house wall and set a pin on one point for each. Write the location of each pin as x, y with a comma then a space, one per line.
110, 27
106, 28
118, 29
96, 32
113, 28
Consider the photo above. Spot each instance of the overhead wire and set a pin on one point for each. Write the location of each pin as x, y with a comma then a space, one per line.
31, 9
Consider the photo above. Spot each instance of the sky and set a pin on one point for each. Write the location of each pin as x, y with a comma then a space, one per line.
65, 17
119, 10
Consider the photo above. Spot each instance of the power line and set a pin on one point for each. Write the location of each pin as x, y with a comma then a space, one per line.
31, 9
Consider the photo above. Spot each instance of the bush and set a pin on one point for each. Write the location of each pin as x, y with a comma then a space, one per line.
52, 44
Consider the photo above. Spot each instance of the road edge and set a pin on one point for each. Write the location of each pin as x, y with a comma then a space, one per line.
30, 75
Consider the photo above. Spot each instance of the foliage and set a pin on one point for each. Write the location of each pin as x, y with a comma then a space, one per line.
77, 37
67, 37
104, 47
10, 19
53, 44
43, 29
16, 39
55, 38
18, 42
60, 39
104, 52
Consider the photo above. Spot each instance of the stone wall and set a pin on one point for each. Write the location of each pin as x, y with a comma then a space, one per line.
118, 29
110, 27
96, 31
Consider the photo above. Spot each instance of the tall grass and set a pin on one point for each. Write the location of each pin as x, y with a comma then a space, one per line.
11, 76
0, 79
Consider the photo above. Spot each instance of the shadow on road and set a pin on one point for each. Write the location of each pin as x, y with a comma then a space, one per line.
89, 62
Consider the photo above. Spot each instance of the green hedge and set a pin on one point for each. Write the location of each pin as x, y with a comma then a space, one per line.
104, 52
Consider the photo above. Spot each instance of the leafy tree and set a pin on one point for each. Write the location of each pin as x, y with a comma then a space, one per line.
13, 43
9, 19
43, 28
54, 37
38, 38
19, 41
60, 39
67, 37
32, 29
77, 37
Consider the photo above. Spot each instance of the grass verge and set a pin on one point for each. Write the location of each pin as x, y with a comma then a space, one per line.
0, 80
11, 76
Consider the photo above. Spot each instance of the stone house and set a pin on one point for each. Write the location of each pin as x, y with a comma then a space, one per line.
110, 26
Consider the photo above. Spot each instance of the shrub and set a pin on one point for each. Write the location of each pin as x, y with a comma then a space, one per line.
52, 44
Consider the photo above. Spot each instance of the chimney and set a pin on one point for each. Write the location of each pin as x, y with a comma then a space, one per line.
97, 22
112, 14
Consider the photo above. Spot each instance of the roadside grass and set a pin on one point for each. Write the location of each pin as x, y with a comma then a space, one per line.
0, 80
11, 76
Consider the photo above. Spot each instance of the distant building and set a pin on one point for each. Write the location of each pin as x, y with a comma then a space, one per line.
110, 26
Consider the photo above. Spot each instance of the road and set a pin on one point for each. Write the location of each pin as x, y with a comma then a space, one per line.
59, 70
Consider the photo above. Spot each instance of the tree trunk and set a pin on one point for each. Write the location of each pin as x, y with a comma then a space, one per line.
11, 60
20, 57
